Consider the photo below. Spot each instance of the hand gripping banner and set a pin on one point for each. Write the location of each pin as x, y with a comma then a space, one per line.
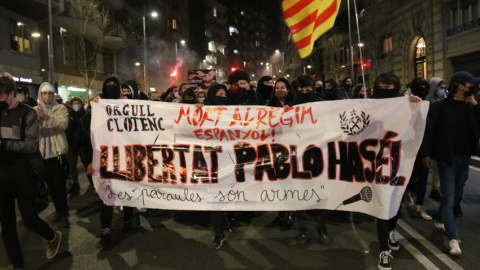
350, 155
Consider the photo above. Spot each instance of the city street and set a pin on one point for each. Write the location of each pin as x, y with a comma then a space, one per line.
181, 240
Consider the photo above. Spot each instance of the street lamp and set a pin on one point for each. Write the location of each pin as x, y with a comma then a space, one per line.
283, 58
154, 14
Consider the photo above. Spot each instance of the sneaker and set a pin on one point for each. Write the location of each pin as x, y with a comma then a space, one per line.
54, 246
385, 262
440, 226
392, 241
454, 247
420, 211
407, 199
303, 238
436, 195
218, 241
457, 210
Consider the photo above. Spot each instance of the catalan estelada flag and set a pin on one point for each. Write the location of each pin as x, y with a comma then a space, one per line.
308, 20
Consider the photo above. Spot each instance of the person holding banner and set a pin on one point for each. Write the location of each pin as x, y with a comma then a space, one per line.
112, 91
217, 96
387, 85
454, 139
305, 94
282, 95
240, 92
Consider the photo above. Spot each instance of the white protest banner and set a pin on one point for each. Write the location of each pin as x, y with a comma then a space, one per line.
351, 155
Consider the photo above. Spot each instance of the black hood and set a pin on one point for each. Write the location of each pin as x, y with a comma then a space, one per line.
111, 92
134, 86
416, 85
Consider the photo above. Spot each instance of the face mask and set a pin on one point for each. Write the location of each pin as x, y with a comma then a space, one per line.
20, 97
421, 92
440, 93
111, 92
176, 94
77, 107
348, 85
303, 97
319, 89
361, 96
330, 94
191, 101
3, 106
384, 93
219, 100
47, 100
471, 90
129, 96
201, 99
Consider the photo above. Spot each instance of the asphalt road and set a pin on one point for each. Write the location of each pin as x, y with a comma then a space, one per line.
181, 240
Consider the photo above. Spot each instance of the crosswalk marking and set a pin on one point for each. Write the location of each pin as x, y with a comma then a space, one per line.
435, 251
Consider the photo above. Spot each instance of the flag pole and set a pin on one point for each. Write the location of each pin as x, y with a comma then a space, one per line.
350, 42
359, 41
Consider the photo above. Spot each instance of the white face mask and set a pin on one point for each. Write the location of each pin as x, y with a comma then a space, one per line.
47, 99
77, 107
201, 99
176, 94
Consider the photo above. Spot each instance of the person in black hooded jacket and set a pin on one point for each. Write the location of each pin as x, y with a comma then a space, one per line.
387, 85
114, 91
453, 140
331, 91
110, 88
305, 94
419, 87
265, 87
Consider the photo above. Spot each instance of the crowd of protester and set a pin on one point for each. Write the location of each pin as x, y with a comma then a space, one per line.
39, 158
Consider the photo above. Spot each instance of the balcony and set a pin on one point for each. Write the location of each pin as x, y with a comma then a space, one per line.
463, 28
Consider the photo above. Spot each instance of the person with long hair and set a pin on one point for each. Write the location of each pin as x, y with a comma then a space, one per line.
283, 93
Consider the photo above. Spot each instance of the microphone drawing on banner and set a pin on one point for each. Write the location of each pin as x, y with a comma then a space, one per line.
365, 195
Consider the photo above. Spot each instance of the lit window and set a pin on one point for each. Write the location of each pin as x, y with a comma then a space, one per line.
174, 24
387, 45
214, 11
211, 46
21, 38
257, 44
232, 30
242, 12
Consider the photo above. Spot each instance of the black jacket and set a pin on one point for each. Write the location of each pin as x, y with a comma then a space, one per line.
439, 143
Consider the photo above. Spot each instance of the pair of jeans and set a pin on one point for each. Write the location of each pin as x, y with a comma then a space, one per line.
19, 185
453, 176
